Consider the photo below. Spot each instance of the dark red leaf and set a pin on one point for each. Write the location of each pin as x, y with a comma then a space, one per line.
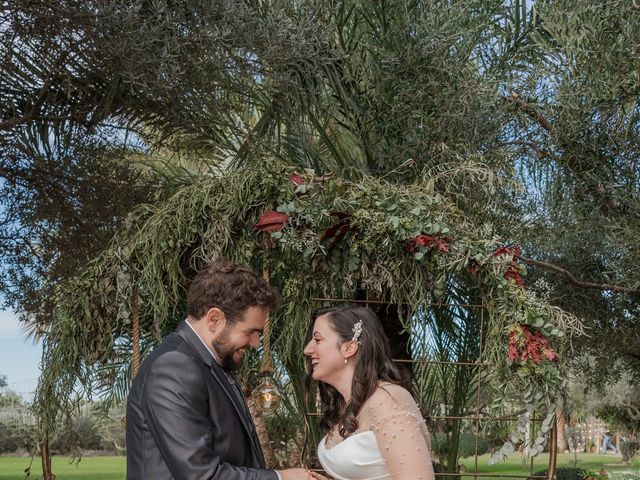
271, 221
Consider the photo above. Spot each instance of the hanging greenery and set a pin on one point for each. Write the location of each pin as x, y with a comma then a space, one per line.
318, 237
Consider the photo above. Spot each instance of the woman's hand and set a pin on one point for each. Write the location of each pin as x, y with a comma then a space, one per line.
316, 476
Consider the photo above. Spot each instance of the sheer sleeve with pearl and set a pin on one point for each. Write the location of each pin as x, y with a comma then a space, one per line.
401, 433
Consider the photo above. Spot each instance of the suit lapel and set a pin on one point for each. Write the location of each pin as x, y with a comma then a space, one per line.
236, 398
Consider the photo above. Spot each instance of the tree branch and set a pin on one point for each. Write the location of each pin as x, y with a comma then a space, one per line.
533, 113
574, 280
10, 123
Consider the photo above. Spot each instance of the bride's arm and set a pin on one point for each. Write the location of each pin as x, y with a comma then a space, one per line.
401, 434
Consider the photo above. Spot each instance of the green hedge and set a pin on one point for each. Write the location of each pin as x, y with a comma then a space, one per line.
466, 445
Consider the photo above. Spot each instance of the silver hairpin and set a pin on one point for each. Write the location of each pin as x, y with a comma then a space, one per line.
357, 331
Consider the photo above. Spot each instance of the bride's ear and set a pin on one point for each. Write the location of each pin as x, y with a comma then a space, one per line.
349, 349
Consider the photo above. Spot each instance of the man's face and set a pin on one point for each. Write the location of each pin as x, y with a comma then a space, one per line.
234, 340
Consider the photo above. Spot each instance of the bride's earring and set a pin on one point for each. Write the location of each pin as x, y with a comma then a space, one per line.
346, 360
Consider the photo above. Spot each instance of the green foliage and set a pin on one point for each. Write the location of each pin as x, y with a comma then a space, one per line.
466, 445
165, 244
567, 473
84, 435
629, 448
17, 438
60, 204
624, 416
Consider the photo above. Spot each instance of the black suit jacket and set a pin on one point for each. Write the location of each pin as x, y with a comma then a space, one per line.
185, 421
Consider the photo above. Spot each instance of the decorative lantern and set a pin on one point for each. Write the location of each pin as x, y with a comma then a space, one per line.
266, 395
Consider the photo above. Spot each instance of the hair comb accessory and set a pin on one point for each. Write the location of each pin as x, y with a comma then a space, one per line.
357, 331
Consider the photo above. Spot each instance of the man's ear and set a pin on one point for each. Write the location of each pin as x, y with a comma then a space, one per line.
349, 349
215, 321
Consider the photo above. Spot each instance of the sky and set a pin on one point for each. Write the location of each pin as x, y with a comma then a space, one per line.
19, 356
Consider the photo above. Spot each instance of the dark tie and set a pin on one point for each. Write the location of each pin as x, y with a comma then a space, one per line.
238, 392
235, 385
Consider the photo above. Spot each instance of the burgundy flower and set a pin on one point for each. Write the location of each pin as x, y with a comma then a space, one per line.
428, 241
296, 179
550, 354
513, 273
512, 251
525, 344
271, 221
338, 230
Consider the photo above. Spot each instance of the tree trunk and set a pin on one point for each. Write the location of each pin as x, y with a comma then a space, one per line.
563, 445
293, 451
47, 474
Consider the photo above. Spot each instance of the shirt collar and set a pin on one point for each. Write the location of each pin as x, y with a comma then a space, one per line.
213, 354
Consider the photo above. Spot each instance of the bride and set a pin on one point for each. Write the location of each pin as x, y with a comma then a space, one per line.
374, 427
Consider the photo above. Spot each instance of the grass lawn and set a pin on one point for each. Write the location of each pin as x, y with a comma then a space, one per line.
89, 468
514, 466
113, 468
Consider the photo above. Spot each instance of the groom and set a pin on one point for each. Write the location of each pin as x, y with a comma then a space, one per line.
186, 416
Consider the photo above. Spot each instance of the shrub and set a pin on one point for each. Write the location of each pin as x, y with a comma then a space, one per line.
14, 438
566, 473
628, 449
467, 445
439, 468
83, 435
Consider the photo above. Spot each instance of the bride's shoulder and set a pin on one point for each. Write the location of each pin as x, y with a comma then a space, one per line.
388, 395
390, 407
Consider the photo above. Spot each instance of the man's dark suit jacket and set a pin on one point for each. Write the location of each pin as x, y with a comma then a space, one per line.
186, 421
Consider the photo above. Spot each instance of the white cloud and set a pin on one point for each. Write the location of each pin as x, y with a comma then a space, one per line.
9, 325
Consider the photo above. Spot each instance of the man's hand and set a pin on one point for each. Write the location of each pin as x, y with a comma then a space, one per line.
295, 474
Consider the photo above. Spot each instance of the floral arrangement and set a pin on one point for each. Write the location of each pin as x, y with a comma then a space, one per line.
525, 330
527, 345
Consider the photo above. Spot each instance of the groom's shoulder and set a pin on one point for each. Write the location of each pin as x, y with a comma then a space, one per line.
173, 350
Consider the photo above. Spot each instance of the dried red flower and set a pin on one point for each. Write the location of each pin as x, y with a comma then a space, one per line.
513, 251
550, 354
524, 344
513, 273
428, 241
338, 230
296, 179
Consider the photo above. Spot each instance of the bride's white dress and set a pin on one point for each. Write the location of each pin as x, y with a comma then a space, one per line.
392, 441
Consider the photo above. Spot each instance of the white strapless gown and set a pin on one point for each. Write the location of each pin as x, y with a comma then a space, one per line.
355, 458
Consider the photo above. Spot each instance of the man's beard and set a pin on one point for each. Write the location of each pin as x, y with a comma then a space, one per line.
225, 353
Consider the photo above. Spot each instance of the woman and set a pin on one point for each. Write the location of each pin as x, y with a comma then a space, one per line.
374, 427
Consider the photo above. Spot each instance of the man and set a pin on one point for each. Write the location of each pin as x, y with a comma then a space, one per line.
186, 416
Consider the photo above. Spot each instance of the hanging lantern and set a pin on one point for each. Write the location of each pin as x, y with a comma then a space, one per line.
266, 396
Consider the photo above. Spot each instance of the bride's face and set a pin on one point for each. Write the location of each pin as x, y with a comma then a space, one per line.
325, 351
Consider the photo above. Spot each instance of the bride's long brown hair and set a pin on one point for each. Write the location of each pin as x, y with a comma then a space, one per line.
373, 365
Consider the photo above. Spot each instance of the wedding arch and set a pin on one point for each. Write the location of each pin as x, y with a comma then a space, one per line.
452, 297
